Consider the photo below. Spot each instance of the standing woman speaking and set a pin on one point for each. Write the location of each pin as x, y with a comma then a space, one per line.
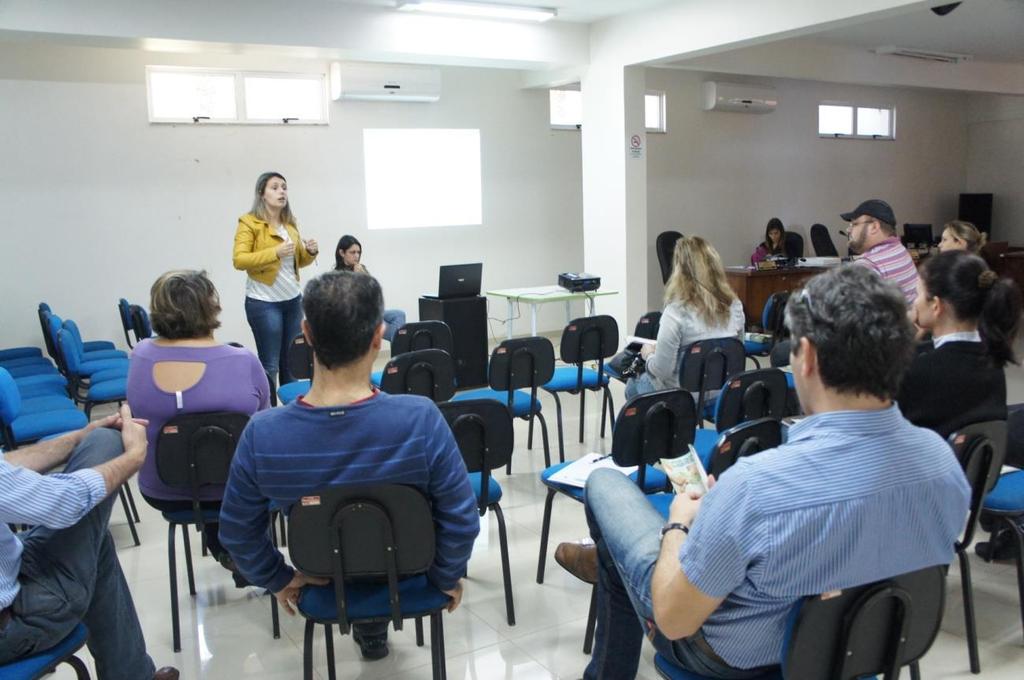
268, 248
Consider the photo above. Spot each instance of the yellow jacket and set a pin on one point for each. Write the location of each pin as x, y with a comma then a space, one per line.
256, 247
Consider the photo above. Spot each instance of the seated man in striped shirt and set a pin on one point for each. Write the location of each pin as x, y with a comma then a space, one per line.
344, 431
855, 495
872, 235
64, 571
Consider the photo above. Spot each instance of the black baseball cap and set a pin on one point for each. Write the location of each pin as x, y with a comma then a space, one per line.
874, 207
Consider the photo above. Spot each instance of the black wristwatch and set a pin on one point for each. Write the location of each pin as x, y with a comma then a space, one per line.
674, 525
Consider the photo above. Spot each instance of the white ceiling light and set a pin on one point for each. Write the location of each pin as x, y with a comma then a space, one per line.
478, 9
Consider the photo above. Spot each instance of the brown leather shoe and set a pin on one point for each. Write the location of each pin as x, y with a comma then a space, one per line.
579, 560
166, 673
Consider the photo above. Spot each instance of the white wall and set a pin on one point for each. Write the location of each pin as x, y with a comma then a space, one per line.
99, 202
723, 175
995, 161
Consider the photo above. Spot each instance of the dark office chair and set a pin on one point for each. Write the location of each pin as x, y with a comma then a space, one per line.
665, 246
794, 245
773, 316
821, 240
419, 335
300, 365
376, 543
745, 439
705, 365
429, 373
750, 395
646, 327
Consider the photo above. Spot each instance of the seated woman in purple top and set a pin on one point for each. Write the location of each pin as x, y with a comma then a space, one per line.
774, 241
184, 370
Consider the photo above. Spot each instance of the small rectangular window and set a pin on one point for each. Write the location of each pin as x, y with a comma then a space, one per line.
566, 108
835, 119
290, 98
874, 122
849, 121
186, 96
654, 111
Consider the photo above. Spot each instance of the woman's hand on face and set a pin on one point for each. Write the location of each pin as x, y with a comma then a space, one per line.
285, 249
358, 267
311, 246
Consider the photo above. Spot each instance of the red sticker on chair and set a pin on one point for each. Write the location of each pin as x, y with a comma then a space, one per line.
392, 370
695, 350
630, 411
171, 429
310, 500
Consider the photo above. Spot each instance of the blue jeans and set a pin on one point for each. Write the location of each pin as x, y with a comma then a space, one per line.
274, 326
72, 575
394, 319
639, 385
627, 531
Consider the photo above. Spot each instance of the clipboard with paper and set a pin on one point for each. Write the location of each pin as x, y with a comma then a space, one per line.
576, 473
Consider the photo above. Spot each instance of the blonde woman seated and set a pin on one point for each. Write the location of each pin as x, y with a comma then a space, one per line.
185, 370
958, 235
699, 305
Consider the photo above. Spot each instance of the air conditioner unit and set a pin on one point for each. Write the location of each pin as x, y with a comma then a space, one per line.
736, 97
385, 82
924, 55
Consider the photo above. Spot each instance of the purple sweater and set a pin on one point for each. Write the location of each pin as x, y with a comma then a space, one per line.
233, 381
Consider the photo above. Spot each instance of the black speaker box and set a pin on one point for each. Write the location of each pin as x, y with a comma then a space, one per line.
467, 317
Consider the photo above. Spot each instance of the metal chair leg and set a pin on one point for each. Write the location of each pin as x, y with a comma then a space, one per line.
307, 650
506, 572
128, 514
188, 560
544, 437
558, 421
419, 631
544, 528
969, 617
915, 671
81, 670
588, 636
131, 501
172, 569
604, 408
1019, 542
284, 530
583, 404
529, 432
275, 617
329, 644
611, 409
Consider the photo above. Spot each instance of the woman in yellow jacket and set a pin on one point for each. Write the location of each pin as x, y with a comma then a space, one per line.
269, 250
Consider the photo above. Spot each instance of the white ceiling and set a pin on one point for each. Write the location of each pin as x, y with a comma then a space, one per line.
990, 30
582, 11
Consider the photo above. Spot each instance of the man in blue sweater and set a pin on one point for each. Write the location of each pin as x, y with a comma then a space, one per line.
344, 431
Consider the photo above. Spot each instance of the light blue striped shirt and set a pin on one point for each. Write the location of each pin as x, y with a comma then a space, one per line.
852, 497
55, 501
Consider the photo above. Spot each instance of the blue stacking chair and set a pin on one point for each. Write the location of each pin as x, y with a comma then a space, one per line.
857, 633
376, 543
516, 365
86, 391
419, 335
94, 348
772, 323
760, 393
650, 426
26, 361
124, 312
141, 326
646, 327
428, 373
19, 353
25, 421
42, 664
589, 338
300, 365
42, 385
89, 363
483, 430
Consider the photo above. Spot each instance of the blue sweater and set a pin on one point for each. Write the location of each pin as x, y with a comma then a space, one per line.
286, 452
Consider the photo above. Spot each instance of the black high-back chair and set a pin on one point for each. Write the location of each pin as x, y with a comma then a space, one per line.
981, 449
376, 543
300, 358
427, 372
821, 241
483, 430
794, 245
744, 439
665, 246
423, 335
705, 365
589, 338
750, 395
193, 451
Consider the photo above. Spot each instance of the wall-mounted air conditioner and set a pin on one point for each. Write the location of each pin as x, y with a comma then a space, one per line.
385, 82
736, 97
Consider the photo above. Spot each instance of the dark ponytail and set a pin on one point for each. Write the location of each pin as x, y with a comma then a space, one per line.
976, 293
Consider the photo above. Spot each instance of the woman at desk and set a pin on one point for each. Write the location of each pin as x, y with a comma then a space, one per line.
699, 305
774, 242
959, 235
348, 256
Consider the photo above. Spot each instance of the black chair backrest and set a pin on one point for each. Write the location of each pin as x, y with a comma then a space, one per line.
981, 449
652, 426
373, 532
866, 630
648, 325
774, 320
745, 439
483, 430
300, 358
794, 245
423, 335
821, 241
140, 323
1015, 436
521, 363
665, 246
706, 364
124, 310
195, 449
589, 338
750, 395
427, 372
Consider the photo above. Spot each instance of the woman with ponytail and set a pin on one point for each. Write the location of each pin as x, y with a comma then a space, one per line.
973, 315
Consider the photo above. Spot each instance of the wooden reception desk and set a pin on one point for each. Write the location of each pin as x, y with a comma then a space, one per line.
753, 287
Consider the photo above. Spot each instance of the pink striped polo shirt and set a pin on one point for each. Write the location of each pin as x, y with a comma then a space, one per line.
892, 262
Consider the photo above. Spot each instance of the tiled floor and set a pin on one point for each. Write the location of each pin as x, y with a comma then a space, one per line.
226, 631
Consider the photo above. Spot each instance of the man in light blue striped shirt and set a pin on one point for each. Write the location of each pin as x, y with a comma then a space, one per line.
857, 494
65, 570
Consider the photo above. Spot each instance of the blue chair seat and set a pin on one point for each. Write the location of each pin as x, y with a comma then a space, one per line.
654, 480
109, 374
370, 600
751, 347
669, 670
789, 380
376, 377
187, 516
32, 426
51, 402
55, 379
704, 441
493, 488
99, 354
37, 665
93, 366
1008, 494
108, 390
289, 392
520, 399
41, 390
661, 502
19, 352
25, 361
612, 372
98, 345
564, 379
34, 369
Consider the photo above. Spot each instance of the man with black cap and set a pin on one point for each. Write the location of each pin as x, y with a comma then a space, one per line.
872, 235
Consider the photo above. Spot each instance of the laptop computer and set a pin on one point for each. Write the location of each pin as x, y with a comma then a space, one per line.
458, 280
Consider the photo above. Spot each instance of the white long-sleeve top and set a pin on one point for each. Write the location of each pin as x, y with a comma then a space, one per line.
681, 327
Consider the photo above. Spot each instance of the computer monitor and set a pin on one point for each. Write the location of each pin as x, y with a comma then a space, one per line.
917, 233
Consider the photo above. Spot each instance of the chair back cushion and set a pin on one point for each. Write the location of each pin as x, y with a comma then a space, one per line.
483, 431
69, 351
822, 241
793, 245
760, 393
195, 449
665, 246
10, 397
300, 358
652, 426
745, 439
648, 325
981, 449
423, 335
706, 364
521, 363
429, 373
589, 338
773, 316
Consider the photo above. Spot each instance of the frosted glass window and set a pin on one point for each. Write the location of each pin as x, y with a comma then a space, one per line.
874, 122
422, 178
654, 111
834, 119
185, 96
268, 98
566, 108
